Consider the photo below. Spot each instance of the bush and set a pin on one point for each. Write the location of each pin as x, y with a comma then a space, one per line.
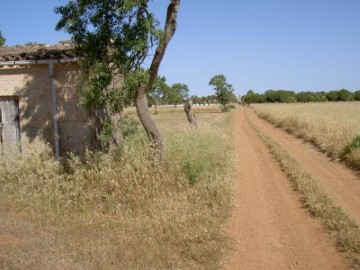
357, 95
332, 95
129, 126
228, 108
345, 95
355, 144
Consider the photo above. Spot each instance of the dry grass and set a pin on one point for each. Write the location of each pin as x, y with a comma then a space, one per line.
111, 212
335, 220
330, 126
177, 109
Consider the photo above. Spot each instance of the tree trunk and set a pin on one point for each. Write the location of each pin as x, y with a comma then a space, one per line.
98, 120
142, 90
149, 124
189, 113
101, 117
117, 136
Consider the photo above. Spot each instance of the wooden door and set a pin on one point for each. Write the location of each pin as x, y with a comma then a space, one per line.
9, 124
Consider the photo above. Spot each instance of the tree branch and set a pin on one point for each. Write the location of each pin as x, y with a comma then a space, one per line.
169, 31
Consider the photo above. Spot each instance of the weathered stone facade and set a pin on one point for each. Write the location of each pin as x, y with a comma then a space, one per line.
30, 86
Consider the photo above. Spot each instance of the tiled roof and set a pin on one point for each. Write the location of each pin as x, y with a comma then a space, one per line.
62, 50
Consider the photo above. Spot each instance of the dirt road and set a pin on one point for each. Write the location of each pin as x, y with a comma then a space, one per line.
341, 183
269, 226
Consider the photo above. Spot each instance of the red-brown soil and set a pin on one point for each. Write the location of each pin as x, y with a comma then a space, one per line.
270, 228
338, 181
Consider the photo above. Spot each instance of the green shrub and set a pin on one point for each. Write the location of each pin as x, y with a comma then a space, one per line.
355, 144
357, 95
129, 126
227, 108
191, 172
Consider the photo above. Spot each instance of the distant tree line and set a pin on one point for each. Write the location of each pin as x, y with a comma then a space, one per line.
286, 96
164, 94
211, 99
176, 94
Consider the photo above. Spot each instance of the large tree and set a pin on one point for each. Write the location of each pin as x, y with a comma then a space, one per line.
177, 93
116, 37
2, 40
158, 91
223, 90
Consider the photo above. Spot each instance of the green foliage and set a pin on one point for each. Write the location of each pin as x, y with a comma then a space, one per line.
115, 37
190, 172
355, 144
332, 95
211, 99
311, 97
357, 95
224, 91
320, 97
252, 97
285, 96
345, 95
2, 40
106, 133
130, 126
98, 78
162, 93
341, 95
126, 95
304, 96
271, 96
157, 93
177, 93
281, 96
114, 31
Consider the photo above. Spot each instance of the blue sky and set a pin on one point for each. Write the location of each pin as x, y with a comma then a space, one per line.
300, 45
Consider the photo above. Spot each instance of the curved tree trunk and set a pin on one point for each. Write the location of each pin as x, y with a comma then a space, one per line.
142, 90
189, 113
149, 124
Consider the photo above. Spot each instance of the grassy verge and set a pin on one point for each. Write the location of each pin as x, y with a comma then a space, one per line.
110, 211
338, 223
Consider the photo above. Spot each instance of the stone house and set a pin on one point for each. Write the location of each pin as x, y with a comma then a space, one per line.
38, 99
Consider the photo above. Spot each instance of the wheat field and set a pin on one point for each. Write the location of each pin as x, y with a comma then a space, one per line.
333, 127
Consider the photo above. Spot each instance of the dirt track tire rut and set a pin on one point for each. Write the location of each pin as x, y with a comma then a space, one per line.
269, 227
338, 181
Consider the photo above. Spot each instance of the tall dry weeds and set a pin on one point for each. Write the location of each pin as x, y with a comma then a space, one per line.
111, 212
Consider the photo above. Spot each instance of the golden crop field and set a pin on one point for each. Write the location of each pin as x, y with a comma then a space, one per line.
331, 126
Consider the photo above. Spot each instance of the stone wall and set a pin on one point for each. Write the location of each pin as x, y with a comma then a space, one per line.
31, 85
